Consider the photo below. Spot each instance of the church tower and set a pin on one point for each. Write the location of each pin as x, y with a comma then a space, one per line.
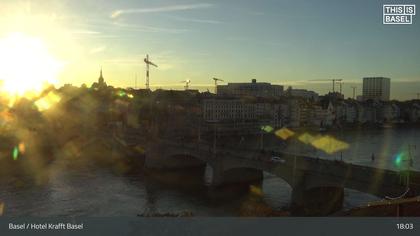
101, 84
101, 80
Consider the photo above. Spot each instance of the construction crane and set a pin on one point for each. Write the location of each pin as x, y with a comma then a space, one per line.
341, 87
187, 84
215, 84
333, 82
148, 63
354, 91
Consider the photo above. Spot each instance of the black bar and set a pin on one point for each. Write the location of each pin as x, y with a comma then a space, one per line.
220, 226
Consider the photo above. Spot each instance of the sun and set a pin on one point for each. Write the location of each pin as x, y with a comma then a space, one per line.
26, 66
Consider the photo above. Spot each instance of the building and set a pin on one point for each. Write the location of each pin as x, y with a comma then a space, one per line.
301, 113
254, 89
319, 116
389, 112
293, 113
414, 113
376, 88
369, 112
351, 115
303, 93
236, 113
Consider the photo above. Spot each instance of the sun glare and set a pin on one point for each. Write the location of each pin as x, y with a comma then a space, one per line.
26, 65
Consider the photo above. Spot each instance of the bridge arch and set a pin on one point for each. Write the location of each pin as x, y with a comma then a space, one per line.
184, 160
242, 175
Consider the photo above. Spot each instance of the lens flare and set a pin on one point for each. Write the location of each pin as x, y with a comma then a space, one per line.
22, 148
329, 144
47, 101
400, 158
15, 153
121, 93
256, 190
284, 133
267, 128
306, 138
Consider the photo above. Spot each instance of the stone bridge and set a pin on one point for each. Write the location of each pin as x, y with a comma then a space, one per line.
317, 184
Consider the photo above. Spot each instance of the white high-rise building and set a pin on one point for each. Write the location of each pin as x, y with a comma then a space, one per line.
376, 88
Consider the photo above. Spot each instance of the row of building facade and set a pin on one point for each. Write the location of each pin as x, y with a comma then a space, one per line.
256, 104
295, 112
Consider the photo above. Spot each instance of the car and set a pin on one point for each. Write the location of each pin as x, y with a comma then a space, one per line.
277, 159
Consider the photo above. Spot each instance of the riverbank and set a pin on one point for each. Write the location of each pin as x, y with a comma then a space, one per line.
409, 207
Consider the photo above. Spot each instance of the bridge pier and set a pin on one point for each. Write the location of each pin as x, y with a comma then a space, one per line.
216, 178
320, 201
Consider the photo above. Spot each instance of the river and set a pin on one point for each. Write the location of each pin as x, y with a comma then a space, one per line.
81, 188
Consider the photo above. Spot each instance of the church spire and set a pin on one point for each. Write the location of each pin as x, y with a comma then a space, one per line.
101, 78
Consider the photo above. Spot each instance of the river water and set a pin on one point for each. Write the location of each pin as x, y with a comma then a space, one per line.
84, 189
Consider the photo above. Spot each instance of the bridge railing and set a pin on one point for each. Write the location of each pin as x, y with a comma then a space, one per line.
247, 152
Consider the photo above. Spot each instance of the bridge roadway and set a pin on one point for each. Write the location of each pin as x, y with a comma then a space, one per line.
315, 182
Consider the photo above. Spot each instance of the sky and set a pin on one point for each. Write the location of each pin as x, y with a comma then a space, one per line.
288, 42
